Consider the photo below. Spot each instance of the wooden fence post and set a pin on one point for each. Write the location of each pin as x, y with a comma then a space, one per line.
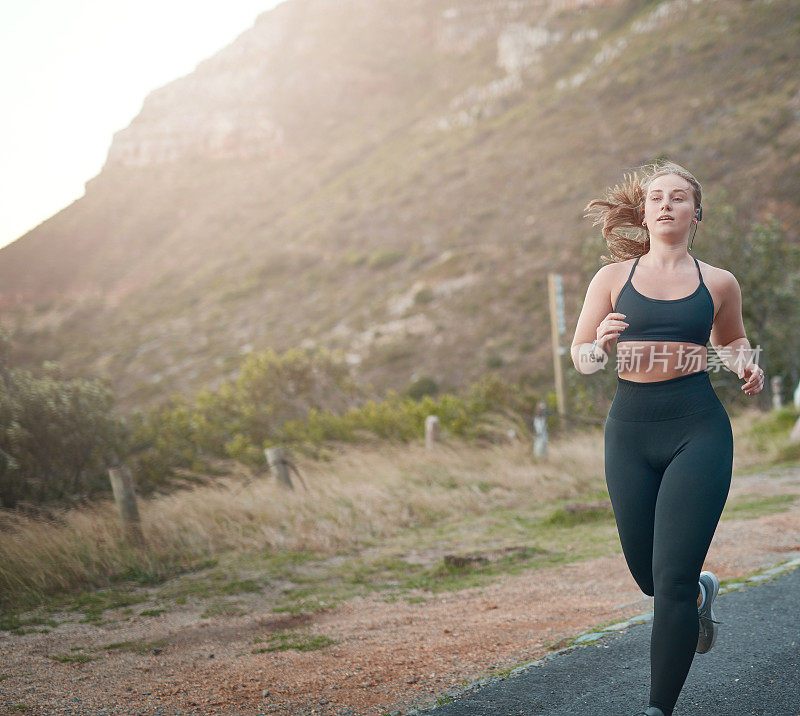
125, 497
431, 431
794, 436
540, 430
776, 386
278, 465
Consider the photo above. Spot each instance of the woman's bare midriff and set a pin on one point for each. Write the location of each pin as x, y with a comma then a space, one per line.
648, 361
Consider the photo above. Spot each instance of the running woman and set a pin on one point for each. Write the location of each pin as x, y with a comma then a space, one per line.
668, 438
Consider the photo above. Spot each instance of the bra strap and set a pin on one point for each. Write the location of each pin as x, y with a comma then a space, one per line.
633, 268
698, 269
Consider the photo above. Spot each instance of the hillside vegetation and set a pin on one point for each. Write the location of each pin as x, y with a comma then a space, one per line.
431, 167
361, 505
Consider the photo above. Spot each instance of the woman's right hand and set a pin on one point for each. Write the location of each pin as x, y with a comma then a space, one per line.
609, 330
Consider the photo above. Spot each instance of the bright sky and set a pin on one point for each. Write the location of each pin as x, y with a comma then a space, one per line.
73, 72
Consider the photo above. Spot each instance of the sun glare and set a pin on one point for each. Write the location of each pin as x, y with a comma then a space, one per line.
73, 73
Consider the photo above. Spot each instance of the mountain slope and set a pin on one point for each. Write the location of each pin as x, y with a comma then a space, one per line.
396, 179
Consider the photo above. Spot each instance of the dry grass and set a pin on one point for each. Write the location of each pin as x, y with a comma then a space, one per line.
362, 494
761, 439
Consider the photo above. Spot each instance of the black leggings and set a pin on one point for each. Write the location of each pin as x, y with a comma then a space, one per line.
668, 462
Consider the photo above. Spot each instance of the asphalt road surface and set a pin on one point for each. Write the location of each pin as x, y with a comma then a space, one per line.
754, 668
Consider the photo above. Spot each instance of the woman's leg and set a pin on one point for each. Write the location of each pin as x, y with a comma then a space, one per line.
691, 497
633, 487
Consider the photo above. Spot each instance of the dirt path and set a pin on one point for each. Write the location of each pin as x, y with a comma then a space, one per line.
389, 656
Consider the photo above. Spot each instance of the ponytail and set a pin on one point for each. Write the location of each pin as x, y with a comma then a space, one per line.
621, 214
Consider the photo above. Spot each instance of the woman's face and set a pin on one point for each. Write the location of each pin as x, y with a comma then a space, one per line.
669, 208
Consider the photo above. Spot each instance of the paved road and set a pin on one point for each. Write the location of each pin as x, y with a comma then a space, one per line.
752, 669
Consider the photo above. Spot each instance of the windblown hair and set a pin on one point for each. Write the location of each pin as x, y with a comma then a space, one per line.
622, 210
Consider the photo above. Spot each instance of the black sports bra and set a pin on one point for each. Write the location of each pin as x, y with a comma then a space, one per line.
688, 319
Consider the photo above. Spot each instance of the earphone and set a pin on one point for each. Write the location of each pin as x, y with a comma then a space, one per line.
699, 216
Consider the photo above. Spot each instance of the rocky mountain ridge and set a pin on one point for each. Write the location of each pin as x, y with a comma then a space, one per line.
396, 180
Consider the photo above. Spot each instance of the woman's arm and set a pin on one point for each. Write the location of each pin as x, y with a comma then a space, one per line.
729, 339
596, 309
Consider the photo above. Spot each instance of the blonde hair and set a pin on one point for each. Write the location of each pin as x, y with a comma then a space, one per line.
622, 210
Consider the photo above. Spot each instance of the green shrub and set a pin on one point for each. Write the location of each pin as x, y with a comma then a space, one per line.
57, 436
305, 400
424, 295
242, 416
421, 387
383, 258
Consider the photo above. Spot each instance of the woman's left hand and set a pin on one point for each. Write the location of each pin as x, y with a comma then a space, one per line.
755, 379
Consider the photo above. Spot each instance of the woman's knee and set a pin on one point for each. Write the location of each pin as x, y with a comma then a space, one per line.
676, 585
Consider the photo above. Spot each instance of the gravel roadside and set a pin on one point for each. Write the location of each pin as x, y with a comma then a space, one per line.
388, 657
